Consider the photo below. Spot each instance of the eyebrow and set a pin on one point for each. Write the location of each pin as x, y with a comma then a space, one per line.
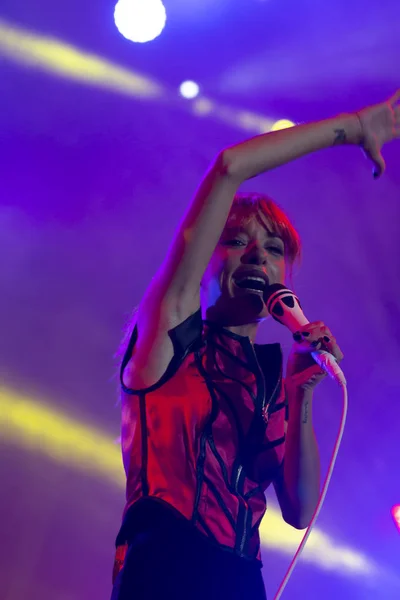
234, 230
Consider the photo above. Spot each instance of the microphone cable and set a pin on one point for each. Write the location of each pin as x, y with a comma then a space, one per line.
322, 495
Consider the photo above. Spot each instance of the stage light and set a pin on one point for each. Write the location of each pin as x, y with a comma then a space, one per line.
140, 20
189, 89
396, 515
57, 57
203, 106
282, 124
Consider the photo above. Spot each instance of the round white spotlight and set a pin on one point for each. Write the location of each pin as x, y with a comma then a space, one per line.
189, 89
140, 20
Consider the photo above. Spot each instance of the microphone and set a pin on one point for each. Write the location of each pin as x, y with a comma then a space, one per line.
285, 307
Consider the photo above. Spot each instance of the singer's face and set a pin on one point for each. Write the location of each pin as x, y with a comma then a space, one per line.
246, 260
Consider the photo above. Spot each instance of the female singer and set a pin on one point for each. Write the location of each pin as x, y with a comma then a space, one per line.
208, 422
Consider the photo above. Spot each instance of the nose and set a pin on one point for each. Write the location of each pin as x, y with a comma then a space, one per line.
255, 255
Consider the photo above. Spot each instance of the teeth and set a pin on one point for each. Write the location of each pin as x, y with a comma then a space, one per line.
249, 278
245, 282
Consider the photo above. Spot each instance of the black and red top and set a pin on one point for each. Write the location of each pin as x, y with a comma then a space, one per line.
207, 439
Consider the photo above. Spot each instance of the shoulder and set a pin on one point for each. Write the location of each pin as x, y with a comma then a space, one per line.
146, 372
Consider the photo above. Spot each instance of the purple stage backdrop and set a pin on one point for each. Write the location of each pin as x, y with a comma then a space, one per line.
99, 157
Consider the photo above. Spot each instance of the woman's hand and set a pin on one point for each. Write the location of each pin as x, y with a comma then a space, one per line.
380, 124
302, 370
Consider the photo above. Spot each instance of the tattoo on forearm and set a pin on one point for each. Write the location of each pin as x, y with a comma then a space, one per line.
305, 412
340, 136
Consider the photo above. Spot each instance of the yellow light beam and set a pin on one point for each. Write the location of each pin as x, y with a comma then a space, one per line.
65, 60
320, 549
36, 426
49, 54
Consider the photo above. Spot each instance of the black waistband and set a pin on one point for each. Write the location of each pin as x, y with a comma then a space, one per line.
149, 522
153, 516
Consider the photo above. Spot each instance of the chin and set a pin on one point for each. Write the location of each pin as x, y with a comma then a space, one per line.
238, 310
253, 307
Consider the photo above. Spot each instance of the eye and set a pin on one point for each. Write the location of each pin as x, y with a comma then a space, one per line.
234, 243
275, 250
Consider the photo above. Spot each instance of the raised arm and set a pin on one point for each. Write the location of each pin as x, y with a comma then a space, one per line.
201, 228
173, 294
265, 152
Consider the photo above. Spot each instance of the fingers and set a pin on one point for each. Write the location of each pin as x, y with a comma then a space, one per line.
316, 327
396, 112
315, 340
377, 159
395, 98
385, 128
333, 348
306, 378
314, 330
317, 336
379, 164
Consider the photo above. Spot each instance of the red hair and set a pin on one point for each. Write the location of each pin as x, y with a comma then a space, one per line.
246, 205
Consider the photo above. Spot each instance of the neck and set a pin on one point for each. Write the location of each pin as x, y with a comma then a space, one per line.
249, 330
232, 320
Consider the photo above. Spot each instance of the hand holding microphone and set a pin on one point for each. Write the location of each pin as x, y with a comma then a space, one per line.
285, 308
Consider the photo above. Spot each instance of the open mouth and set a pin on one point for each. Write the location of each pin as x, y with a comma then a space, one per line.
251, 283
